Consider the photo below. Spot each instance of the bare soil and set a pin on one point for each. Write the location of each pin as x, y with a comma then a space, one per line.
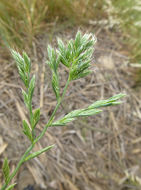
95, 153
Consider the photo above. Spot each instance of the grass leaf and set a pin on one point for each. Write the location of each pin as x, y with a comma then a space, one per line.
11, 186
6, 170
35, 154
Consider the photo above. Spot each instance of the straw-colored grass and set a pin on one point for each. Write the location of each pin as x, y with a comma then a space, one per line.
21, 20
77, 11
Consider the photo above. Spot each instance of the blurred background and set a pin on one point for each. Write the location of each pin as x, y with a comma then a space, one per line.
102, 152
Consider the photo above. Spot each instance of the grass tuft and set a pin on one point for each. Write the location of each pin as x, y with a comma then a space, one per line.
20, 21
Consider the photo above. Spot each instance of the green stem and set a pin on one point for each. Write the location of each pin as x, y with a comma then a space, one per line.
36, 140
18, 167
31, 114
53, 114
31, 121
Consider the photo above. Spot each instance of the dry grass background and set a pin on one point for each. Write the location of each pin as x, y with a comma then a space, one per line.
95, 153
22, 20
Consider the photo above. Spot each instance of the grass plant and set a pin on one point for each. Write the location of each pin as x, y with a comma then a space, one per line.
20, 21
77, 57
77, 11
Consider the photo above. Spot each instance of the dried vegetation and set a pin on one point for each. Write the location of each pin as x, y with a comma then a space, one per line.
97, 153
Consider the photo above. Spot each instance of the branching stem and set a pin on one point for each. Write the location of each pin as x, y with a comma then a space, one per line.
37, 139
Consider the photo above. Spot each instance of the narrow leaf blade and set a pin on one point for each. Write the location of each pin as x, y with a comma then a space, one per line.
11, 187
6, 170
35, 154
